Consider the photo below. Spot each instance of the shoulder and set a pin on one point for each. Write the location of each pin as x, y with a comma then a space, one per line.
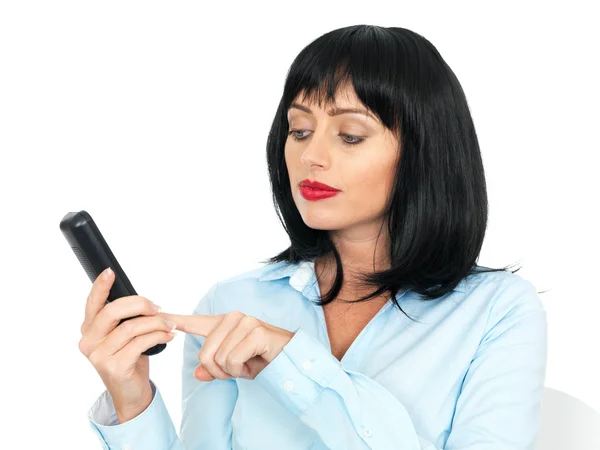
510, 298
506, 289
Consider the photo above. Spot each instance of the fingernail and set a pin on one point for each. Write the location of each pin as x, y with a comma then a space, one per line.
156, 308
171, 324
107, 273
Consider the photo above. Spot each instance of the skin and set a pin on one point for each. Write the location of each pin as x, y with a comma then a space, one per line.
234, 341
363, 172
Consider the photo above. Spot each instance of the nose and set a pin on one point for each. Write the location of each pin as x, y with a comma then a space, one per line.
316, 152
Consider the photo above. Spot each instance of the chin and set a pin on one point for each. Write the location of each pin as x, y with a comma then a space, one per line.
322, 223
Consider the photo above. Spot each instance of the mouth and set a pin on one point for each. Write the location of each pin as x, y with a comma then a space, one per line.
316, 194
316, 186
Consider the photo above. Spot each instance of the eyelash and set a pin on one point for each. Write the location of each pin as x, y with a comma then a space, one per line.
350, 144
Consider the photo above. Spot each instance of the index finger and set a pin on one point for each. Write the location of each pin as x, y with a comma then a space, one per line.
198, 324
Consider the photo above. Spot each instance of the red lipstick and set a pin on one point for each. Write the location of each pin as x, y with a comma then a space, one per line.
313, 190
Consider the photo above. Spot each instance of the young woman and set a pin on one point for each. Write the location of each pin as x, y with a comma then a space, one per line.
375, 328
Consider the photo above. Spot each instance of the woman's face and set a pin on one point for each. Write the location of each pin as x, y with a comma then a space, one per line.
327, 151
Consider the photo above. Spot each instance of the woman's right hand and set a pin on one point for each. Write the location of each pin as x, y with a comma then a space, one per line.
115, 350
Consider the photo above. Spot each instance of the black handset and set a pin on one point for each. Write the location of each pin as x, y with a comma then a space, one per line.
95, 256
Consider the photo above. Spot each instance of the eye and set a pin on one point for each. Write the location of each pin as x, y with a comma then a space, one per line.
357, 140
294, 136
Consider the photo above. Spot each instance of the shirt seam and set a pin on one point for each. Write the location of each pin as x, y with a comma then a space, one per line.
321, 388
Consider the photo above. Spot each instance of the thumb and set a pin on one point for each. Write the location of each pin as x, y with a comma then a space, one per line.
98, 294
101, 287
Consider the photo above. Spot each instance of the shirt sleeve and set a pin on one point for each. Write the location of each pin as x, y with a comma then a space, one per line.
153, 429
499, 406
207, 405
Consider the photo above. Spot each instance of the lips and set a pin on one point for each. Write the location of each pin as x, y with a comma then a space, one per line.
314, 190
317, 186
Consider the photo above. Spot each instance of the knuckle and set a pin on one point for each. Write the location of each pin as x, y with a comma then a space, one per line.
236, 314
135, 340
250, 321
83, 346
220, 360
214, 370
109, 311
234, 362
149, 306
259, 332
128, 327
209, 365
94, 328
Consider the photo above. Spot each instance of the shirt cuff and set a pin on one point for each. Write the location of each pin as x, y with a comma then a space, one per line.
298, 374
152, 429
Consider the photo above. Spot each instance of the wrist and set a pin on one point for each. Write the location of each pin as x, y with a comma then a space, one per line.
129, 412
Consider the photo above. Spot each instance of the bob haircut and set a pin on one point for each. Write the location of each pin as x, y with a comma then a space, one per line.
437, 211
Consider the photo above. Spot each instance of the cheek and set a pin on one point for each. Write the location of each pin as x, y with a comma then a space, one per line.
369, 181
290, 161
291, 155
295, 173
368, 187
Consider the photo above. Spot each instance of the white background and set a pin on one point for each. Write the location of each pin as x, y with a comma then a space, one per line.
153, 117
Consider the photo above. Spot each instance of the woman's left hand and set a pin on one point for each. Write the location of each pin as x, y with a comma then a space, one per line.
234, 341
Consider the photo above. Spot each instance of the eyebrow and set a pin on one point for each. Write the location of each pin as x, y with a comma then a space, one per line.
334, 111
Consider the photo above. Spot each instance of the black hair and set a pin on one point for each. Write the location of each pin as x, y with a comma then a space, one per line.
438, 209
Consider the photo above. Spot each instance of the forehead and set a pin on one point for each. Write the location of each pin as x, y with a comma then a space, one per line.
344, 97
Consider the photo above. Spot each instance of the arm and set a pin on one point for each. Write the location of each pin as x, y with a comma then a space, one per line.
152, 429
207, 405
498, 408
501, 398
201, 426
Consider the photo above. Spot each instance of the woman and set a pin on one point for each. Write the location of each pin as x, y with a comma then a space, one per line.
375, 328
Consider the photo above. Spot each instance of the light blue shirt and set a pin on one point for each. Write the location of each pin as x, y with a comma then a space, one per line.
470, 375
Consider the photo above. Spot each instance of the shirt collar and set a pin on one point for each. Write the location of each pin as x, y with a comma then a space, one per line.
300, 274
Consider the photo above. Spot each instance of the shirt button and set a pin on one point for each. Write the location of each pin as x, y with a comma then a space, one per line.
307, 365
288, 385
368, 433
